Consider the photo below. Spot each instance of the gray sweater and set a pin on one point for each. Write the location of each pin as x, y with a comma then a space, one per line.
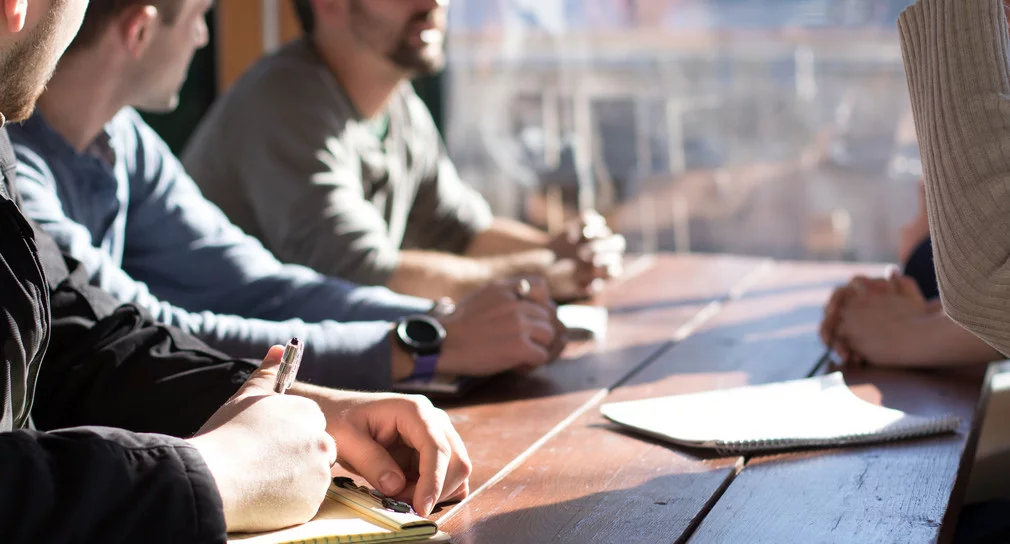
956, 59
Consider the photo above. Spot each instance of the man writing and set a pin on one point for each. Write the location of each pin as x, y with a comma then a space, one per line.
262, 461
106, 187
324, 153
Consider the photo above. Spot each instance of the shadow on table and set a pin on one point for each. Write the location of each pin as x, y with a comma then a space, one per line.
766, 348
662, 509
699, 454
595, 370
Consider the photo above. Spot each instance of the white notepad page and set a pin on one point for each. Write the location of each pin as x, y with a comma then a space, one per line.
819, 411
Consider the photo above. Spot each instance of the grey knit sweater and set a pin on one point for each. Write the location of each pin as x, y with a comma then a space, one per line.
958, 69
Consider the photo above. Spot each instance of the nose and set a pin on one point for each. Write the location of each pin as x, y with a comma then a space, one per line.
434, 4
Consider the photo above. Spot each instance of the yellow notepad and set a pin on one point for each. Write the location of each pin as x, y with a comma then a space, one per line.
351, 515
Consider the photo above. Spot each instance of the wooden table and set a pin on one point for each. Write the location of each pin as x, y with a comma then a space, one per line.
549, 468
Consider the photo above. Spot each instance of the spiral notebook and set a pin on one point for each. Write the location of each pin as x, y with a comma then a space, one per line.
819, 411
353, 514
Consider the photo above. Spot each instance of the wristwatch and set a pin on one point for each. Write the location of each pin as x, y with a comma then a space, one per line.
421, 336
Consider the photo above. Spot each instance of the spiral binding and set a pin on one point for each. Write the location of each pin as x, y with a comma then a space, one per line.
944, 424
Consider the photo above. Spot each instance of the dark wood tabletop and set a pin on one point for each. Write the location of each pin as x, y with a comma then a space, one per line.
549, 468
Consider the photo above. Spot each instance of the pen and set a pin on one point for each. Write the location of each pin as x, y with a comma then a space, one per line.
290, 360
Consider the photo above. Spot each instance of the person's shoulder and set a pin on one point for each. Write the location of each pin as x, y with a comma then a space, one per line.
415, 111
128, 129
291, 73
34, 134
126, 118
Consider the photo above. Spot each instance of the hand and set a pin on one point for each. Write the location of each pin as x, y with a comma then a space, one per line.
883, 326
587, 253
837, 301
494, 330
269, 454
402, 445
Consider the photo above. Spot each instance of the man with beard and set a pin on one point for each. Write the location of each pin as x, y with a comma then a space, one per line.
106, 187
324, 152
102, 484
72, 357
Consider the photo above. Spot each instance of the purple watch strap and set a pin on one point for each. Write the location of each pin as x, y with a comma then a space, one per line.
424, 366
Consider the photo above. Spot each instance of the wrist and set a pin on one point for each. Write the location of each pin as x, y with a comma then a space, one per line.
217, 465
401, 362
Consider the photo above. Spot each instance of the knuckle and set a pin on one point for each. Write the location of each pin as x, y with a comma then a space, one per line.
442, 446
326, 446
421, 403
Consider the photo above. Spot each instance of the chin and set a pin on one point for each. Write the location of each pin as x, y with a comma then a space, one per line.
164, 105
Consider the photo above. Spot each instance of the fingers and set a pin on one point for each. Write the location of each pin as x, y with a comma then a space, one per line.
361, 453
262, 380
831, 313
601, 258
539, 291
606, 248
457, 485
537, 327
863, 284
532, 354
534, 312
433, 463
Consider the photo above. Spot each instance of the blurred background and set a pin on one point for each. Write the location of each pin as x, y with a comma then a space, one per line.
759, 127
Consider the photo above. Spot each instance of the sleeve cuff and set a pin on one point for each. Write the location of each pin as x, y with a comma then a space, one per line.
210, 524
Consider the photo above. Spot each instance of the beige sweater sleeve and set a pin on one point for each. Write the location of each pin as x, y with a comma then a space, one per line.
956, 60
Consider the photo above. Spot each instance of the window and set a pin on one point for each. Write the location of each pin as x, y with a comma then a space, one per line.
765, 127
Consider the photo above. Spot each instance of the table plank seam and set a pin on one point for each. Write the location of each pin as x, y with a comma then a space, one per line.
738, 467
708, 312
522, 457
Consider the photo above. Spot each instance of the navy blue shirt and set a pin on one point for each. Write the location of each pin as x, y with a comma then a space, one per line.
127, 210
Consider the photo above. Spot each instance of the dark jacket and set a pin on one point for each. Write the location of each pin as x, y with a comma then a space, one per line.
71, 357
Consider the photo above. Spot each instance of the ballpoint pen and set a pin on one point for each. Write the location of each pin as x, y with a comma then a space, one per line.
290, 360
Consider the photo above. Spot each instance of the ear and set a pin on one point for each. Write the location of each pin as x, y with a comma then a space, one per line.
15, 12
330, 9
136, 27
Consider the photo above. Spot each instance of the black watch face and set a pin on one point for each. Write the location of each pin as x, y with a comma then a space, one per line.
422, 334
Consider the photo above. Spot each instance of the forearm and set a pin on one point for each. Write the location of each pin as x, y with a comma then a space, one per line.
507, 236
349, 355
937, 341
433, 275
955, 54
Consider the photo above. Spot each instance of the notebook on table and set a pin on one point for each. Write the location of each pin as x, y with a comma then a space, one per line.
819, 411
353, 514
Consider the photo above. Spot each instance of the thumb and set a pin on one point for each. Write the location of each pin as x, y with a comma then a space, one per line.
262, 381
361, 453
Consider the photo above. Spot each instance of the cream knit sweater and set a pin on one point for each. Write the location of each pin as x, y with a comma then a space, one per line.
958, 70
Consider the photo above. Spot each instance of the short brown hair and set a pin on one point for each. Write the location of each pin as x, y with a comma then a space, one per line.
101, 12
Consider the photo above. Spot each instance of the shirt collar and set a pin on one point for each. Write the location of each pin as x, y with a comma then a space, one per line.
100, 147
